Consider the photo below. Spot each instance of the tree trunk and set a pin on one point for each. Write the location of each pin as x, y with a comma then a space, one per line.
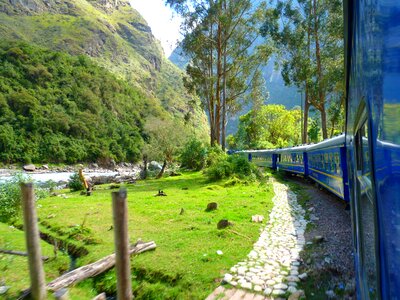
223, 123
164, 166
305, 118
321, 93
218, 85
323, 124
144, 176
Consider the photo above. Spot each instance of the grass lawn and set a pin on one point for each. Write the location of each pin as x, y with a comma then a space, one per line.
185, 264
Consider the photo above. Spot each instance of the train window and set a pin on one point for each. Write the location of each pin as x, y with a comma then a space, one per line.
367, 215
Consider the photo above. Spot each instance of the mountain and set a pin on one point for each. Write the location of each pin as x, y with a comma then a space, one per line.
104, 41
111, 32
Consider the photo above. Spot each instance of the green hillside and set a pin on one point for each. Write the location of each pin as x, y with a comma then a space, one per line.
61, 108
115, 37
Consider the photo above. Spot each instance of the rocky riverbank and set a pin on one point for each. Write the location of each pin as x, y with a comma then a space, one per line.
126, 172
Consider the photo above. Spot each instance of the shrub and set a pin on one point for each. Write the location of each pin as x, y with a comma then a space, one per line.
75, 183
193, 156
232, 165
10, 196
214, 155
220, 170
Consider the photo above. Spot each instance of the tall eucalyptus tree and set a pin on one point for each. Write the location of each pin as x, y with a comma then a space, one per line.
219, 39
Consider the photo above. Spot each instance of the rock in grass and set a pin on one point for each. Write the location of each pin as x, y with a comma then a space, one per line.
303, 276
318, 239
223, 224
330, 294
4, 289
296, 295
211, 206
257, 218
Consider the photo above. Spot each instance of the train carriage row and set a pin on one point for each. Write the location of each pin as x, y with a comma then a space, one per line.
325, 163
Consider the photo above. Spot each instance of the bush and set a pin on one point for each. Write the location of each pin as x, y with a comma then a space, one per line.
75, 183
214, 155
220, 170
193, 156
10, 197
232, 165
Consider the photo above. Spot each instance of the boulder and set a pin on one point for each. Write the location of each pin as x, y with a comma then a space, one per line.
211, 206
45, 167
318, 239
154, 166
93, 166
29, 168
223, 224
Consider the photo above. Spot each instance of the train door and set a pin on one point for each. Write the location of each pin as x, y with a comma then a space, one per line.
366, 214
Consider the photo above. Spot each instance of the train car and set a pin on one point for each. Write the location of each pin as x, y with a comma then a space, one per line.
262, 158
293, 160
372, 40
327, 165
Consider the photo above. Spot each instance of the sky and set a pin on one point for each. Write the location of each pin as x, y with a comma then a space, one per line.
164, 24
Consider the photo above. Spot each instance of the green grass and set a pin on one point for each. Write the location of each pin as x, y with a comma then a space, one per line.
14, 269
185, 264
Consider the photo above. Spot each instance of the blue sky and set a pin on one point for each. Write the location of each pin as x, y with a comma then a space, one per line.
164, 24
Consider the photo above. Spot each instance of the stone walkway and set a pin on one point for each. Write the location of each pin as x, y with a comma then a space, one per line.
271, 268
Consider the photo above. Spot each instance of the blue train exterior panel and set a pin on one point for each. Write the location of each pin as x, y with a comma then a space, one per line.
373, 143
327, 166
261, 158
293, 160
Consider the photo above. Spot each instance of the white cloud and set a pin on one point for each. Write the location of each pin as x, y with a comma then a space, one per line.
164, 24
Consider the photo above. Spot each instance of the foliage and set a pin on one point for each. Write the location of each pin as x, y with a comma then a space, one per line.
75, 183
220, 41
232, 166
165, 140
116, 37
314, 132
214, 154
58, 108
10, 196
270, 126
193, 155
308, 36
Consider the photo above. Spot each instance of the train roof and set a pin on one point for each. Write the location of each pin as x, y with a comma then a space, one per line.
293, 149
335, 141
257, 151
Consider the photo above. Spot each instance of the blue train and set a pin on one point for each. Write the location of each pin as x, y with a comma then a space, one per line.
363, 166
325, 163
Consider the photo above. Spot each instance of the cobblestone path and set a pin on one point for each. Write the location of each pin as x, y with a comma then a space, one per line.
271, 268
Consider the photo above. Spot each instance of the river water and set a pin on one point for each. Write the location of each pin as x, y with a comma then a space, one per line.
54, 176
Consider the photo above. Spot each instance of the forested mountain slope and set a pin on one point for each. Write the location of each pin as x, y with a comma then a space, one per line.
115, 37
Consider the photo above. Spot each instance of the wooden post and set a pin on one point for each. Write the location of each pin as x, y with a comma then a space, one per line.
38, 287
121, 241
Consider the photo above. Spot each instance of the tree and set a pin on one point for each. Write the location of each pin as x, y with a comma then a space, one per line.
308, 35
270, 126
166, 138
219, 40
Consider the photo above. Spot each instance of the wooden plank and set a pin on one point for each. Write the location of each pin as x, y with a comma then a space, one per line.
95, 268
